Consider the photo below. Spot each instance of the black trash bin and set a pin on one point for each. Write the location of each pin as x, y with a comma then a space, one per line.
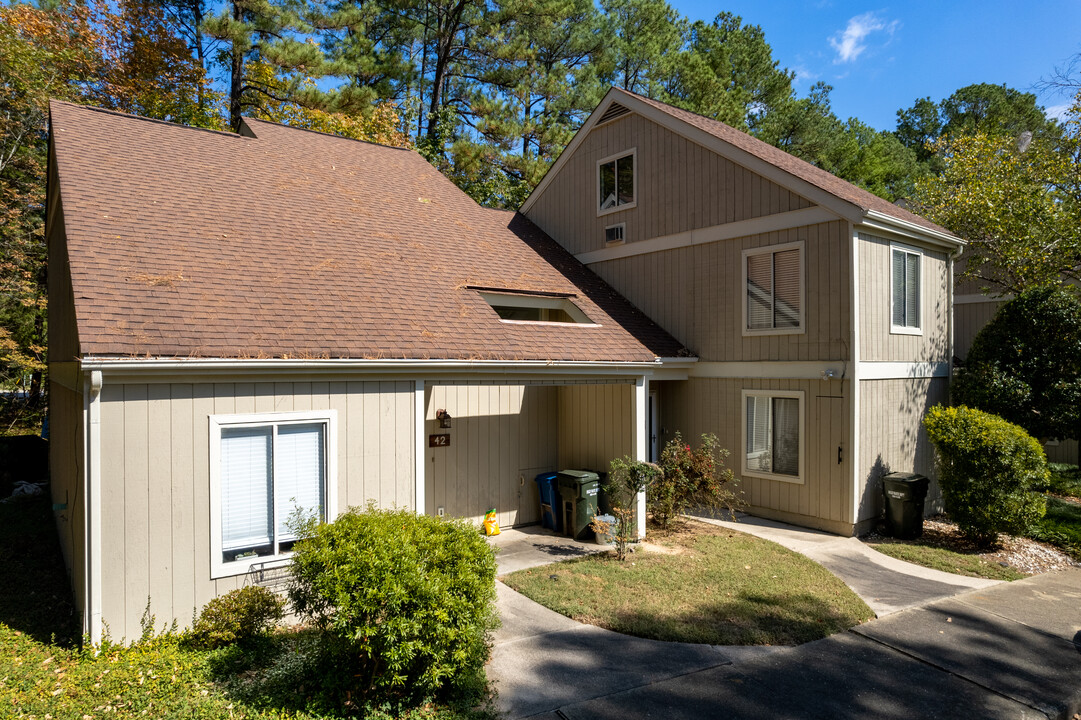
578, 491
905, 493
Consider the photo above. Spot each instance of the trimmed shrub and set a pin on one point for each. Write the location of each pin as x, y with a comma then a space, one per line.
692, 479
405, 603
237, 616
986, 469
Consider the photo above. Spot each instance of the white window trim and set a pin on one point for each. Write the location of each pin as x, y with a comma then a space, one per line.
220, 568
799, 395
615, 243
802, 329
898, 329
633, 152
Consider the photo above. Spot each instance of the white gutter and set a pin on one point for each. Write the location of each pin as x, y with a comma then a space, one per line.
874, 218
123, 364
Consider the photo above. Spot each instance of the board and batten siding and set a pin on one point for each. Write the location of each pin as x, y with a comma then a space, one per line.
968, 319
877, 343
66, 477
680, 186
696, 294
596, 425
824, 499
155, 479
892, 438
501, 437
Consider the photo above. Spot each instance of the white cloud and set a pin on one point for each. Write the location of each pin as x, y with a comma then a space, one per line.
803, 75
850, 42
1057, 112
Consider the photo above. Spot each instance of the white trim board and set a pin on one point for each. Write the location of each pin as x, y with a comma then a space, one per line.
773, 370
869, 370
714, 233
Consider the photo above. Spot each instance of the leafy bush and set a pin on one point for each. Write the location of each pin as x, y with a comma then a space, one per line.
1025, 365
237, 616
405, 603
626, 478
986, 469
692, 478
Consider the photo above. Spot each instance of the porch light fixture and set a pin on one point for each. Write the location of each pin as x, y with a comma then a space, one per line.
443, 417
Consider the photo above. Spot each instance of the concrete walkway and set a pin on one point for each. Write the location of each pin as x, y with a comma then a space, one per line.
1008, 651
886, 584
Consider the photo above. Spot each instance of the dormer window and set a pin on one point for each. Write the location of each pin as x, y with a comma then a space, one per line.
534, 307
616, 176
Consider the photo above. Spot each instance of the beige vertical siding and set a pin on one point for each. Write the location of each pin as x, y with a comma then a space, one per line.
156, 483
824, 499
681, 186
596, 425
1063, 451
501, 437
877, 343
968, 320
696, 293
892, 438
66, 476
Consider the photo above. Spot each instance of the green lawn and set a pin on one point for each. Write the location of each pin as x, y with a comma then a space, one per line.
1061, 526
43, 673
712, 586
939, 558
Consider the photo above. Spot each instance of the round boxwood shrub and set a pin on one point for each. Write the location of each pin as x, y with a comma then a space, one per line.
237, 617
405, 603
986, 469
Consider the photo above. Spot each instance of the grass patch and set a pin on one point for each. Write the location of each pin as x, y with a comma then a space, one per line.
1065, 480
707, 585
1061, 526
951, 561
44, 673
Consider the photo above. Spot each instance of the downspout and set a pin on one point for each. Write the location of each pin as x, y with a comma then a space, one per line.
641, 398
420, 453
92, 507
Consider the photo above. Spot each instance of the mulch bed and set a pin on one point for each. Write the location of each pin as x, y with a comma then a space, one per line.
1022, 554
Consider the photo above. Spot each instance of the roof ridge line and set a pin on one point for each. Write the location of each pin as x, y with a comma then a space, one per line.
132, 116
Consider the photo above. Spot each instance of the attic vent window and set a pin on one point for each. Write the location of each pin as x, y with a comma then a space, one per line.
535, 309
615, 110
613, 234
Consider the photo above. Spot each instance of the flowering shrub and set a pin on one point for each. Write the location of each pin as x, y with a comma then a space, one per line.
626, 478
693, 478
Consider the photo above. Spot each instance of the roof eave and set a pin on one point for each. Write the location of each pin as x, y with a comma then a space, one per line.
876, 220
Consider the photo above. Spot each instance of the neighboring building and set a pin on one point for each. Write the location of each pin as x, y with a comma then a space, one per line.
819, 313
244, 324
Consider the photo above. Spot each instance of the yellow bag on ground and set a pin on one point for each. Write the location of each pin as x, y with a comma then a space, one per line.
491, 525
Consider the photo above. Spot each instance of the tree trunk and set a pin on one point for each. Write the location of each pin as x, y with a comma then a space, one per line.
236, 76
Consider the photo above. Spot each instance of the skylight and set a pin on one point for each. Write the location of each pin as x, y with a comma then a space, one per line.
535, 308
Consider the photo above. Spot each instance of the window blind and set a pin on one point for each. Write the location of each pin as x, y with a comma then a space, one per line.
906, 289
786, 289
245, 487
298, 473
760, 291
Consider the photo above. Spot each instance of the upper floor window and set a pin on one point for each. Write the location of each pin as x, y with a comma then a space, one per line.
773, 289
616, 183
905, 284
265, 469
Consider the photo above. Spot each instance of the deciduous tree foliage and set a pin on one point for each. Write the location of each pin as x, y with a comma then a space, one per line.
1018, 205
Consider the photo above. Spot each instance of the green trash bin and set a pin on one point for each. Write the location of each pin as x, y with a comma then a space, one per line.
905, 493
578, 490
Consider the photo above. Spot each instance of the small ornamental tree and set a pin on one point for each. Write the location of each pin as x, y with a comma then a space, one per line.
1025, 365
405, 603
693, 478
987, 468
626, 478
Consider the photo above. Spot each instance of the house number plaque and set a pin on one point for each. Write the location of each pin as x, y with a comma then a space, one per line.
440, 440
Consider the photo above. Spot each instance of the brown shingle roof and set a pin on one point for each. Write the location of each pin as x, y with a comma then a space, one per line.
801, 169
186, 242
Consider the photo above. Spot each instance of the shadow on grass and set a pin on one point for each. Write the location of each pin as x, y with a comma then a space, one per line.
35, 595
746, 618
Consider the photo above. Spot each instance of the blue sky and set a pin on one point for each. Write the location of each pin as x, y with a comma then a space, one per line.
881, 58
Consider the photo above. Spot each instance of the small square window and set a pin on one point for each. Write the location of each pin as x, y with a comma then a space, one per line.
616, 176
613, 234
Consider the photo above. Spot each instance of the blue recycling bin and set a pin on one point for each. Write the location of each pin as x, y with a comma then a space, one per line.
546, 488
